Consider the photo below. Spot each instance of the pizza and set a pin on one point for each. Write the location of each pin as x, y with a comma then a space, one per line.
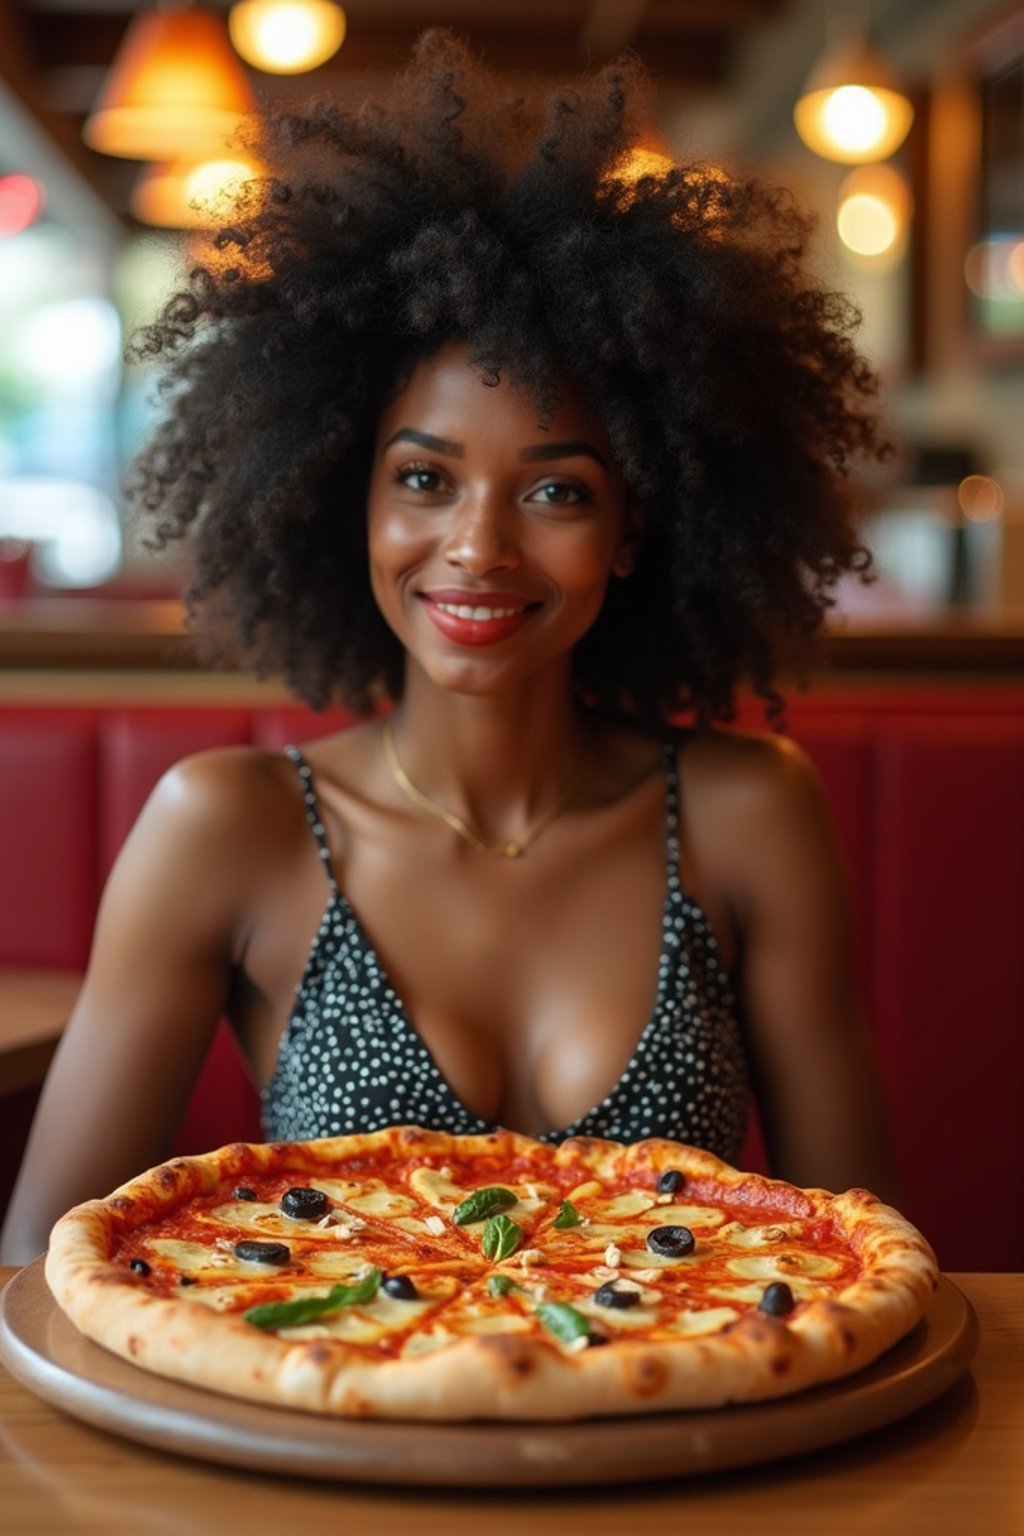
414, 1274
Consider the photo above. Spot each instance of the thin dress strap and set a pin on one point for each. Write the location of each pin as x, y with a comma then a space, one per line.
313, 813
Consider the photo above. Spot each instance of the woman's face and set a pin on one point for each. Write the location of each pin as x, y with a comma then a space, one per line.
491, 540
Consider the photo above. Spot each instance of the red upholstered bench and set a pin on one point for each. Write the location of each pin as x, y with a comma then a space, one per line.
925, 786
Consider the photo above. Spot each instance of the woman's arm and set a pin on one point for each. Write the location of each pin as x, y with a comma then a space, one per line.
817, 1084
155, 988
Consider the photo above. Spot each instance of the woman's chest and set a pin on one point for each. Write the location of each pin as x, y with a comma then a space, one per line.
528, 986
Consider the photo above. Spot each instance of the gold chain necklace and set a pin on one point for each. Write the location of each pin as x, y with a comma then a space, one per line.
511, 850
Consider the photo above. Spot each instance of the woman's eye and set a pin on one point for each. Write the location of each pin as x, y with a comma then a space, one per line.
558, 494
417, 479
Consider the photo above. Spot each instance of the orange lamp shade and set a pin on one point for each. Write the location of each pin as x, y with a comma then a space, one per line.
175, 86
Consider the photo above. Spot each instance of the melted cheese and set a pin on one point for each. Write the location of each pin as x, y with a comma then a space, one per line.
754, 1237
432, 1186
427, 1343
615, 1318
334, 1263
221, 1298
414, 1224
692, 1216
630, 1204
267, 1222
584, 1191
708, 1320
492, 1322
803, 1290
643, 1258
364, 1324
782, 1266
197, 1259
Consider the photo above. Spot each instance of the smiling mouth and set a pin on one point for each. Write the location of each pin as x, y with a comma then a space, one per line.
478, 623
464, 611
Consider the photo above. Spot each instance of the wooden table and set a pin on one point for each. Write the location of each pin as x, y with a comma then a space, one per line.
34, 1007
955, 1467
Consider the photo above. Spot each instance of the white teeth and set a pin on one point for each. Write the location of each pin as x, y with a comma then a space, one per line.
464, 611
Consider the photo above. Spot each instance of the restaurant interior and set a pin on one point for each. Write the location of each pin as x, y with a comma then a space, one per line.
900, 123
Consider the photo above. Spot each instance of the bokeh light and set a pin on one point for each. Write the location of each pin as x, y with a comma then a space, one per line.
21, 203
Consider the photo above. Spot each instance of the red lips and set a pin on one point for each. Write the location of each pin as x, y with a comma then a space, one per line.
464, 631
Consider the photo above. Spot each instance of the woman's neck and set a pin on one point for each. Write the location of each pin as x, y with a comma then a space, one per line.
496, 761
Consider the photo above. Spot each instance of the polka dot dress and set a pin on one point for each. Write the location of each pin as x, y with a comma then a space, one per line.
351, 1060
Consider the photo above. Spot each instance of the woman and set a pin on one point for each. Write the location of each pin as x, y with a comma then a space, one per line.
471, 420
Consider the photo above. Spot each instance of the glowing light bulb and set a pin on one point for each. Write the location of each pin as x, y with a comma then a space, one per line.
867, 225
851, 108
287, 37
192, 195
854, 119
873, 212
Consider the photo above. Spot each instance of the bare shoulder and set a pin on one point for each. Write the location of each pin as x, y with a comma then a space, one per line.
756, 771
220, 814
757, 809
222, 777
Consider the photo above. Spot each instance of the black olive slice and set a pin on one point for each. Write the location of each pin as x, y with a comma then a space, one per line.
671, 1242
243, 1192
305, 1204
263, 1253
777, 1300
400, 1287
594, 1339
187, 1280
608, 1296
140, 1266
671, 1182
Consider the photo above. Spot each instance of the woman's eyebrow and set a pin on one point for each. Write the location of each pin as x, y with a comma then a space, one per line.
539, 452
427, 440
561, 451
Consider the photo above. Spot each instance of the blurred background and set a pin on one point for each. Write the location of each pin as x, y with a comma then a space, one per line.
900, 122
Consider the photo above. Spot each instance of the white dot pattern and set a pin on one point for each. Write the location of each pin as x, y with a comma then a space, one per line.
351, 1060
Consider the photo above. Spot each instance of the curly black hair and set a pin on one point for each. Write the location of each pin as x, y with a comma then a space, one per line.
677, 302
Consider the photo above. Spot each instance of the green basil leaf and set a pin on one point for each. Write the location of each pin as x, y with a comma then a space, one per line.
305, 1309
483, 1203
500, 1285
564, 1321
568, 1216
502, 1236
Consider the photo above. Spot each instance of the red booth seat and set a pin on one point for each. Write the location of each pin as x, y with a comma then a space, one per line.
925, 786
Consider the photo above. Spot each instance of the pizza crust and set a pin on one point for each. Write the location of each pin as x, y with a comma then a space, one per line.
506, 1375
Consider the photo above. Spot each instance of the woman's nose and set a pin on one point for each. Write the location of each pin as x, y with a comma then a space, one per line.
482, 536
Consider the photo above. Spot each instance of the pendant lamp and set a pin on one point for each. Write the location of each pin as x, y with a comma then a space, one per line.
287, 37
192, 194
851, 108
176, 86
873, 214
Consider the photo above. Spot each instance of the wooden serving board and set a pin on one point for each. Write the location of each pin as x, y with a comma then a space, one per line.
47, 1354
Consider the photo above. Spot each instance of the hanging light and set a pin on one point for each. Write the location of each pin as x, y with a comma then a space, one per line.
176, 85
286, 37
851, 108
192, 194
873, 213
